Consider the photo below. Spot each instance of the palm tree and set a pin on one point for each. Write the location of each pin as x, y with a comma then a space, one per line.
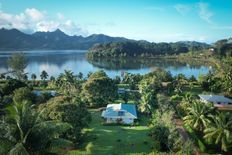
44, 75
67, 83
148, 88
148, 103
23, 131
197, 115
220, 130
80, 75
179, 82
33, 77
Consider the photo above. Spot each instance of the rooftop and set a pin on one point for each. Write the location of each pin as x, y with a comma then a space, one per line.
215, 98
119, 108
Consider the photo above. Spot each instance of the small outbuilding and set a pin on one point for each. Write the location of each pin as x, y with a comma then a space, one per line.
219, 101
120, 113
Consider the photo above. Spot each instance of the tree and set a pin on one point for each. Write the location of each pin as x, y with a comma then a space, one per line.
192, 79
33, 77
148, 88
219, 129
24, 132
44, 75
68, 84
160, 134
198, 115
117, 80
2, 76
80, 76
23, 94
72, 111
99, 89
178, 83
11, 85
52, 78
164, 131
18, 63
227, 77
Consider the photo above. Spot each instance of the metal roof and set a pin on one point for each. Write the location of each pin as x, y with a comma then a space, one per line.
113, 110
215, 98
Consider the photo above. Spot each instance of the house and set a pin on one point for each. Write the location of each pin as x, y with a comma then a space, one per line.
40, 92
120, 113
219, 101
121, 90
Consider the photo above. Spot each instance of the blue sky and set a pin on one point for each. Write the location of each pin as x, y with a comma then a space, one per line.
152, 20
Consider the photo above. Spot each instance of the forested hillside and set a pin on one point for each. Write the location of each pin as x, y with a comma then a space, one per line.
143, 48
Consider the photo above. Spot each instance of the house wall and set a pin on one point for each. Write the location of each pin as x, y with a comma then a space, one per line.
124, 120
128, 120
225, 104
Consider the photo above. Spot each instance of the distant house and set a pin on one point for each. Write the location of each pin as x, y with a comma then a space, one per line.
40, 92
120, 113
121, 90
219, 101
211, 50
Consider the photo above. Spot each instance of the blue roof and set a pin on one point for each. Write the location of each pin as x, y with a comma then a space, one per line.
130, 108
215, 98
122, 110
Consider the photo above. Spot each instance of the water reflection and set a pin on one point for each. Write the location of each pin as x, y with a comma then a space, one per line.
55, 62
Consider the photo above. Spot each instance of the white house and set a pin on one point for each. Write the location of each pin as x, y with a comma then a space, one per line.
219, 101
120, 113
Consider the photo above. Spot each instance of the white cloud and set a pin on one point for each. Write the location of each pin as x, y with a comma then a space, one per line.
45, 26
204, 12
34, 14
60, 16
32, 20
182, 8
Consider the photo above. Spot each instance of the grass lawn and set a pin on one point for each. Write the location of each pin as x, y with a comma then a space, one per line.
115, 140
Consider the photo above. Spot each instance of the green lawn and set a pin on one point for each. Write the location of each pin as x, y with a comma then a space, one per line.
114, 140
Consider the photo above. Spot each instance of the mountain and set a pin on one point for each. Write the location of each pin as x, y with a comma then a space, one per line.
14, 39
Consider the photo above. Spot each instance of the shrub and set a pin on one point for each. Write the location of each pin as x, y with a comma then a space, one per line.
23, 94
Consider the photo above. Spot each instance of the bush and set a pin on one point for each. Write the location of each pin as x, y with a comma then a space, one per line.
12, 85
23, 94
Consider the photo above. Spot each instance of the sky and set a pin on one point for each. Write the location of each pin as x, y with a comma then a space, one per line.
152, 20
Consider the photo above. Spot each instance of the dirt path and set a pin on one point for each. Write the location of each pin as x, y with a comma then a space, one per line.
184, 134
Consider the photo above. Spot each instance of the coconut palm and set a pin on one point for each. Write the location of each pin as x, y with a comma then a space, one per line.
197, 115
24, 132
33, 77
67, 83
148, 103
80, 75
148, 88
178, 83
44, 75
220, 130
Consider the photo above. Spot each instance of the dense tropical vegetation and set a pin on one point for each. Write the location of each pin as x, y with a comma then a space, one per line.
143, 49
172, 119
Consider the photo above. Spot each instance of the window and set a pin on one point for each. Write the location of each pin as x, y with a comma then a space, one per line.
121, 113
